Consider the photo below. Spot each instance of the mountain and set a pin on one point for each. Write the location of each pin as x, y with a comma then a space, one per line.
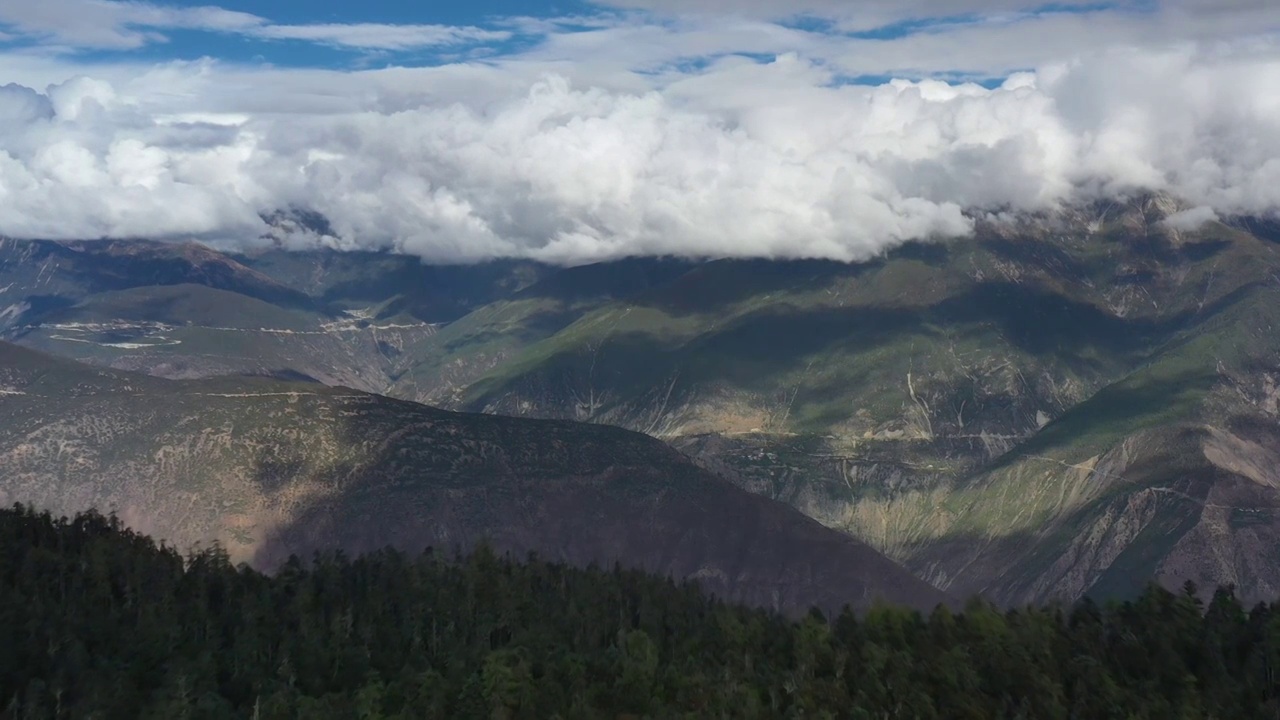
366, 320
271, 468
186, 311
1060, 404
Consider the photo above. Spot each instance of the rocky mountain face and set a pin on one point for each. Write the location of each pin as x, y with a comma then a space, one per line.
1063, 406
269, 469
1058, 405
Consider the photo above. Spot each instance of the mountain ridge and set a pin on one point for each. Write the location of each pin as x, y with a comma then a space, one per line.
271, 469
944, 396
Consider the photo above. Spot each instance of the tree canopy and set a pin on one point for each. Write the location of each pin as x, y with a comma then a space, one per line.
97, 621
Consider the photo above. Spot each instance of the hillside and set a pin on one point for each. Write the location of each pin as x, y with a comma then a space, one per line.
1058, 405
185, 311
1067, 406
271, 469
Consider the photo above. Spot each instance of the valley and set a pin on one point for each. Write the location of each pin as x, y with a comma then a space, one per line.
269, 469
1063, 405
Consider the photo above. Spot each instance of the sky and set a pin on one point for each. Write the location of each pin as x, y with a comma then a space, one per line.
574, 132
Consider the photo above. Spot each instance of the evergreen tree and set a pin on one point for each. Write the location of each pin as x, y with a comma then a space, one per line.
98, 621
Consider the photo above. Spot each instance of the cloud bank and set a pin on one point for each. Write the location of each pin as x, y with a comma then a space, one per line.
566, 162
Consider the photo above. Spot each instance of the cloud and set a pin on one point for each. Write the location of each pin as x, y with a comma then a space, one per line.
121, 25
374, 36
871, 15
1192, 219
867, 14
653, 129
113, 25
738, 158
977, 38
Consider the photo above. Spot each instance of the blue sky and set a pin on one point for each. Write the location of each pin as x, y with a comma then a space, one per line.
488, 14
343, 34
176, 38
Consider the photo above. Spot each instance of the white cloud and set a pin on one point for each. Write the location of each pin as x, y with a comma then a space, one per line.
863, 15
738, 159
375, 36
71, 25
625, 133
112, 24
1192, 219
870, 15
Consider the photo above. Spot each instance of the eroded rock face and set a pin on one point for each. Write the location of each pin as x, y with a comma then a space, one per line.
270, 469
1169, 505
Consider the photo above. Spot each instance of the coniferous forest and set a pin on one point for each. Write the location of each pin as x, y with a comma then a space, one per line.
97, 621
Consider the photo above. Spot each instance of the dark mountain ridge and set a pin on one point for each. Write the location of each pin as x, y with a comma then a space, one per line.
271, 469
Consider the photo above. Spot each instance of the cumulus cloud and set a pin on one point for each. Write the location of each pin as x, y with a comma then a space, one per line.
534, 159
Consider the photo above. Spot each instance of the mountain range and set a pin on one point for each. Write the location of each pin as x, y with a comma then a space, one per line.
270, 468
1061, 404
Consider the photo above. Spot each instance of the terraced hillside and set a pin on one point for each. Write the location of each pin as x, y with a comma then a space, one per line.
270, 468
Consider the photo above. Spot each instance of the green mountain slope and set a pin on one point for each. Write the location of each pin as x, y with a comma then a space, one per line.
371, 321
975, 408
986, 411
393, 286
271, 468
441, 367
184, 311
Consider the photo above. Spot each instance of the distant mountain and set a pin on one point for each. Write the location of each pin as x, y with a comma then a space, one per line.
270, 469
185, 311
1058, 405
370, 321
1067, 405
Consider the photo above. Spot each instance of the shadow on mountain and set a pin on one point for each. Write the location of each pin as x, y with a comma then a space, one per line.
1134, 530
431, 293
415, 477
39, 308
711, 287
1203, 250
752, 352
1267, 229
615, 280
285, 375
129, 264
1047, 254
1135, 403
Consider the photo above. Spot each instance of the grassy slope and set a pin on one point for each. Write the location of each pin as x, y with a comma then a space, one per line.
465, 349
901, 400
271, 468
1111, 336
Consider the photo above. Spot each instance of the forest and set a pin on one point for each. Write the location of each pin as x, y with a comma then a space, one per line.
97, 621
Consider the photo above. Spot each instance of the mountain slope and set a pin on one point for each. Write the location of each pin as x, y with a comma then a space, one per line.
272, 468
1041, 411
440, 368
372, 321
975, 408
185, 311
